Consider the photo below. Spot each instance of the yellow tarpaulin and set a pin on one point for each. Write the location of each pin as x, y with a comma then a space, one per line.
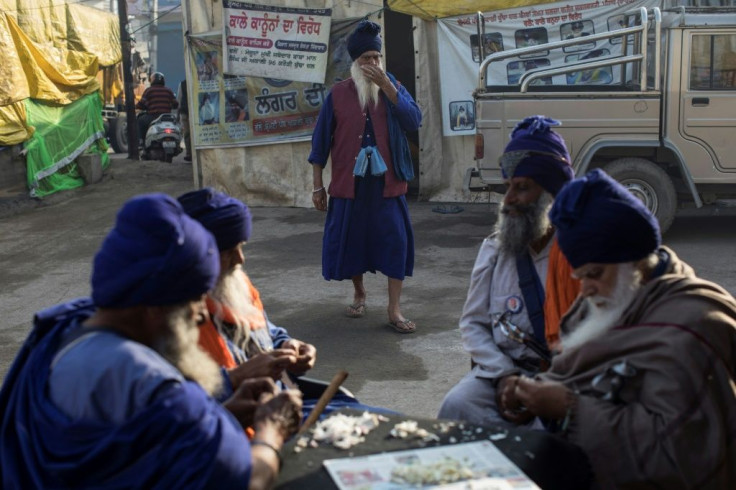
51, 52
431, 9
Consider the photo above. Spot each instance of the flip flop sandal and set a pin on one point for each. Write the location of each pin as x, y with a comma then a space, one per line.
403, 326
356, 310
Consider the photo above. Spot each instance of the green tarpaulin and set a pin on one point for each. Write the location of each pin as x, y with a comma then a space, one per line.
62, 134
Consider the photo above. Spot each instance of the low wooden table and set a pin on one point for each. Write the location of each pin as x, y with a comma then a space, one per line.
548, 460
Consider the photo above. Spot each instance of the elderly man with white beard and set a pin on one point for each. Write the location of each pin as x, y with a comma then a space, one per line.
361, 127
645, 380
506, 285
113, 391
238, 334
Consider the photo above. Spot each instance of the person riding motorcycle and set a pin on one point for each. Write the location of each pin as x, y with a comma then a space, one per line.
156, 100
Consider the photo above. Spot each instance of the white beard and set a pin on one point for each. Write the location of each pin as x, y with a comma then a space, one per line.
232, 291
516, 233
367, 90
600, 319
181, 348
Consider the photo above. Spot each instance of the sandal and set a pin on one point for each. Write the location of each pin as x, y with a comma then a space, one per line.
356, 310
403, 326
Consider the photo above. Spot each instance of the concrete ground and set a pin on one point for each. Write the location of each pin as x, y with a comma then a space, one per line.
46, 251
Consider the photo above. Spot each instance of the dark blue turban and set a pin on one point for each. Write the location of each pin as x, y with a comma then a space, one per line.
155, 255
365, 37
549, 166
599, 221
227, 218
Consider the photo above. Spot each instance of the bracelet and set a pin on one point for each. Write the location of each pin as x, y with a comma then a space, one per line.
258, 442
318, 190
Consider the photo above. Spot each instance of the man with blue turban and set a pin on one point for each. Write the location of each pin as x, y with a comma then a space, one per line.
519, 279
361, 128
238, 331
114, 392
238, 335
645, 380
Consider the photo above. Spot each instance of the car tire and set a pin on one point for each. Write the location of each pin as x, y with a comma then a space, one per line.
650, 184
119, 134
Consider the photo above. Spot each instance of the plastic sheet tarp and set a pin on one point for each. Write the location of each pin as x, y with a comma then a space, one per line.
51, 52
433, 9
62, 134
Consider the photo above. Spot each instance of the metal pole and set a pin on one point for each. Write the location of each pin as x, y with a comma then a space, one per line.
128, 81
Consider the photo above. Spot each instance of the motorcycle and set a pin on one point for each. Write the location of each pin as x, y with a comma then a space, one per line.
163, 139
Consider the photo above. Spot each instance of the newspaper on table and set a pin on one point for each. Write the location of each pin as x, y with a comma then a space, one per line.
472, 465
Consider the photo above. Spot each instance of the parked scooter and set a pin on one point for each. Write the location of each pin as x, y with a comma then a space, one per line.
163, 139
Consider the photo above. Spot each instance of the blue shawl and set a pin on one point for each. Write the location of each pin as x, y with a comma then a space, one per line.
400, 153
185, 440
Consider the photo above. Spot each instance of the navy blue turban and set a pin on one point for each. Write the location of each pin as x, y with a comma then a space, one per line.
365, 37
599, 221
227, 218
548, 161
155, 255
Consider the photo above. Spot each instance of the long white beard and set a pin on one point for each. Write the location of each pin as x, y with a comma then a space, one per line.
367, 90
181, 348
516, 233
232, 291
605, 313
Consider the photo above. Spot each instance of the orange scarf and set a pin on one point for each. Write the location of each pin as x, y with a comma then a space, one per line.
560, 292
209, 337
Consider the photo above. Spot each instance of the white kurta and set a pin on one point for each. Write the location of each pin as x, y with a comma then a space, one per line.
494, 289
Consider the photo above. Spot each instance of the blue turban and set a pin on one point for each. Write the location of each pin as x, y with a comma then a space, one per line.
365, 37
227, 218
599, 221
155, 255
551, 169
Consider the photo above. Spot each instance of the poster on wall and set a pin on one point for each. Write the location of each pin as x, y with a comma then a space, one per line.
248, 110
276, 42
460, 48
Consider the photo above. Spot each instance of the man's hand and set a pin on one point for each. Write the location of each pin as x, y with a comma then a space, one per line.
509, 405
271, 364
282, 412
245, 401
319, 199
306, 356
376, 75
547, 399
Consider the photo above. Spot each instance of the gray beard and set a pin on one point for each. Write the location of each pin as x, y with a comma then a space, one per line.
181, 348
367, 90
516, 233
600, 319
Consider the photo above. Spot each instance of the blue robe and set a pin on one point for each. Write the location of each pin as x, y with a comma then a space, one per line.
369, 233
182, 440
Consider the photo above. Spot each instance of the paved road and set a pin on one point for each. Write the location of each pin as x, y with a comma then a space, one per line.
46, 251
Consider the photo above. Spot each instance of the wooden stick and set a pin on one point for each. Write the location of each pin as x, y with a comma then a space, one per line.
327, 395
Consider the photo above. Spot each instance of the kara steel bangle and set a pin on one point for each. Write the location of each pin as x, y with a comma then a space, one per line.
318, 190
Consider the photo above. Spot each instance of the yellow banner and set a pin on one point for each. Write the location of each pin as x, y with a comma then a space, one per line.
437, 9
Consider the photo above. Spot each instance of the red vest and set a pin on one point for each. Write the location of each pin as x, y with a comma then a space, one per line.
347, 140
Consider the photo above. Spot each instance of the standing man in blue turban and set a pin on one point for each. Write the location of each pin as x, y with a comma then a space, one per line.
645, 381
517, 271
114, 391
362, 126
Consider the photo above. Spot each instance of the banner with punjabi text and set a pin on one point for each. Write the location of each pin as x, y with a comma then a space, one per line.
232, 110
276, 42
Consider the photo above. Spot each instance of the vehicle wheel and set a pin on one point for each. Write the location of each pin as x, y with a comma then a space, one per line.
119, 134
650, 184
